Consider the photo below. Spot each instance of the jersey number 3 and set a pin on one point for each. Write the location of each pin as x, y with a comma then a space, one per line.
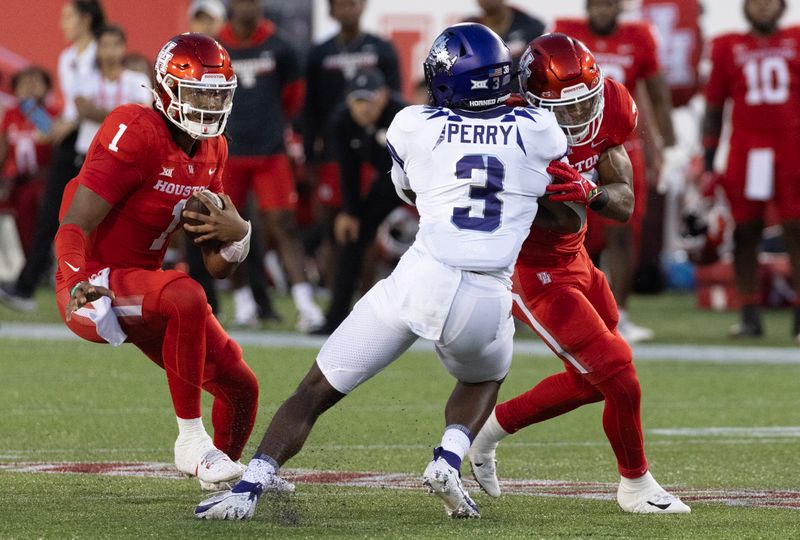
486, 174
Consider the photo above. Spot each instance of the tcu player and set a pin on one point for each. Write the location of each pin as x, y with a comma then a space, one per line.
117, 218
558, 292
759, 73
475, 168
628, 53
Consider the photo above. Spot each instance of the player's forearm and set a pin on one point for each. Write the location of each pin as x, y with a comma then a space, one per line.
712, 129
620, 202
216, 264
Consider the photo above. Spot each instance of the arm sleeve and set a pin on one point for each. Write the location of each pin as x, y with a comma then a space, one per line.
389, 67
717, 86
349, 163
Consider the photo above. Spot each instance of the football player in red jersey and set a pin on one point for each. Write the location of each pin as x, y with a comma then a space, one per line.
758, 72
557, 289
628, 53
117, 217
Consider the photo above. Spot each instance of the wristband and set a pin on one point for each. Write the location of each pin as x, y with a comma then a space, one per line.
600, 201
75, 288
236, 252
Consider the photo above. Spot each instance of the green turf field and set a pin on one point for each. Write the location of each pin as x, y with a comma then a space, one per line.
73, 401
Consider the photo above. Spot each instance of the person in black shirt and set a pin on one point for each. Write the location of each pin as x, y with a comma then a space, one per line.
515, 27
359, 127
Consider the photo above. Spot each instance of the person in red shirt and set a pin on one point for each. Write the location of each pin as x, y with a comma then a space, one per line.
558, 291
758, 73
117, 217
26, 148
628, 54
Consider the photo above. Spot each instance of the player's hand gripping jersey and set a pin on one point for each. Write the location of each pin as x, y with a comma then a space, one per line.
134, 165
477, 177
619, 120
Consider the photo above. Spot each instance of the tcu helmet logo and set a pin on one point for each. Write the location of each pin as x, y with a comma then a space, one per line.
441, 56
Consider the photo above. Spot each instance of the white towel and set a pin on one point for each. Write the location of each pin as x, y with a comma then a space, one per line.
760, 182
429, 288
103, 317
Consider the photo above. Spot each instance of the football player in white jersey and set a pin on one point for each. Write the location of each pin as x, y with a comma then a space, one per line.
475, 169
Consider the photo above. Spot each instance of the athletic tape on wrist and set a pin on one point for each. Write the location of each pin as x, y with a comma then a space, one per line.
236, 252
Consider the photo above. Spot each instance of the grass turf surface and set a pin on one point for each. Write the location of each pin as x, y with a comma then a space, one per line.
674, 317
69, 401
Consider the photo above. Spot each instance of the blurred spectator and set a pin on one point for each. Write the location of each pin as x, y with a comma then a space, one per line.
627, 53
206, 17
331, 64
106, 89
80, 22
359, 128
270, 93
516, 27
25, 148
758, 73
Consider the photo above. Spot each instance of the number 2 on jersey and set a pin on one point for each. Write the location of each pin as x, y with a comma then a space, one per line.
494, 172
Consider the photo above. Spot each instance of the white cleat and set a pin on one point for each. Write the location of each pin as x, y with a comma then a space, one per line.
240, 502
633, 333
484, 470
212, 467
650, 500
444, 481
310, 320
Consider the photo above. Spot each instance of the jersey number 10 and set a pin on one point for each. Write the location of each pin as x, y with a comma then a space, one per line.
767, 81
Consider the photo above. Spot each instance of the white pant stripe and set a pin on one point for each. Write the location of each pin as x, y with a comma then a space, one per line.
545, 335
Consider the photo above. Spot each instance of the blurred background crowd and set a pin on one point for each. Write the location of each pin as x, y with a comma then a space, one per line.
319, 83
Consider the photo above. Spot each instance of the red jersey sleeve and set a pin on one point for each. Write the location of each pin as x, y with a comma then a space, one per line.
622, 108
120, 156
648, 47
718, 85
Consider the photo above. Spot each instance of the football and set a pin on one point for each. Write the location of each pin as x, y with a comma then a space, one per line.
194, 204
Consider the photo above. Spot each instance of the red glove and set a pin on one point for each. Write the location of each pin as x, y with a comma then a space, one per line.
570, 186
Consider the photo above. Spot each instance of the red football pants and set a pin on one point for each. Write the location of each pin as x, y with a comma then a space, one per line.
570, 306
166, 315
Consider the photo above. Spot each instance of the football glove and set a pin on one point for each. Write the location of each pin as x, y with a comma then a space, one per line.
570, 186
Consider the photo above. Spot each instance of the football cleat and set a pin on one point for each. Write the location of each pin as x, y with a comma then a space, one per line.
212, 467
651, 500
633, 333
310, 320
484, 470
240, 501
16, 302
445, 482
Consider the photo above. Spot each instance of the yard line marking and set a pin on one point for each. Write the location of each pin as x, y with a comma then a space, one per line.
644, 352
755, 432
761, 498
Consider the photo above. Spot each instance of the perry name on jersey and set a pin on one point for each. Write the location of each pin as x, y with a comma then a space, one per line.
476, 176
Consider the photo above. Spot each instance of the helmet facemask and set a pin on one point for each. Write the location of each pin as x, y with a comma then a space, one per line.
200, 108
579, 111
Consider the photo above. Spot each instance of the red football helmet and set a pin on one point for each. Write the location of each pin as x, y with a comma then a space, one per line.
559, 73
195, 84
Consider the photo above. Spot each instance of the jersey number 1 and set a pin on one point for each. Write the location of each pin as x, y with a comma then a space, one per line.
113, 144
489, 182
